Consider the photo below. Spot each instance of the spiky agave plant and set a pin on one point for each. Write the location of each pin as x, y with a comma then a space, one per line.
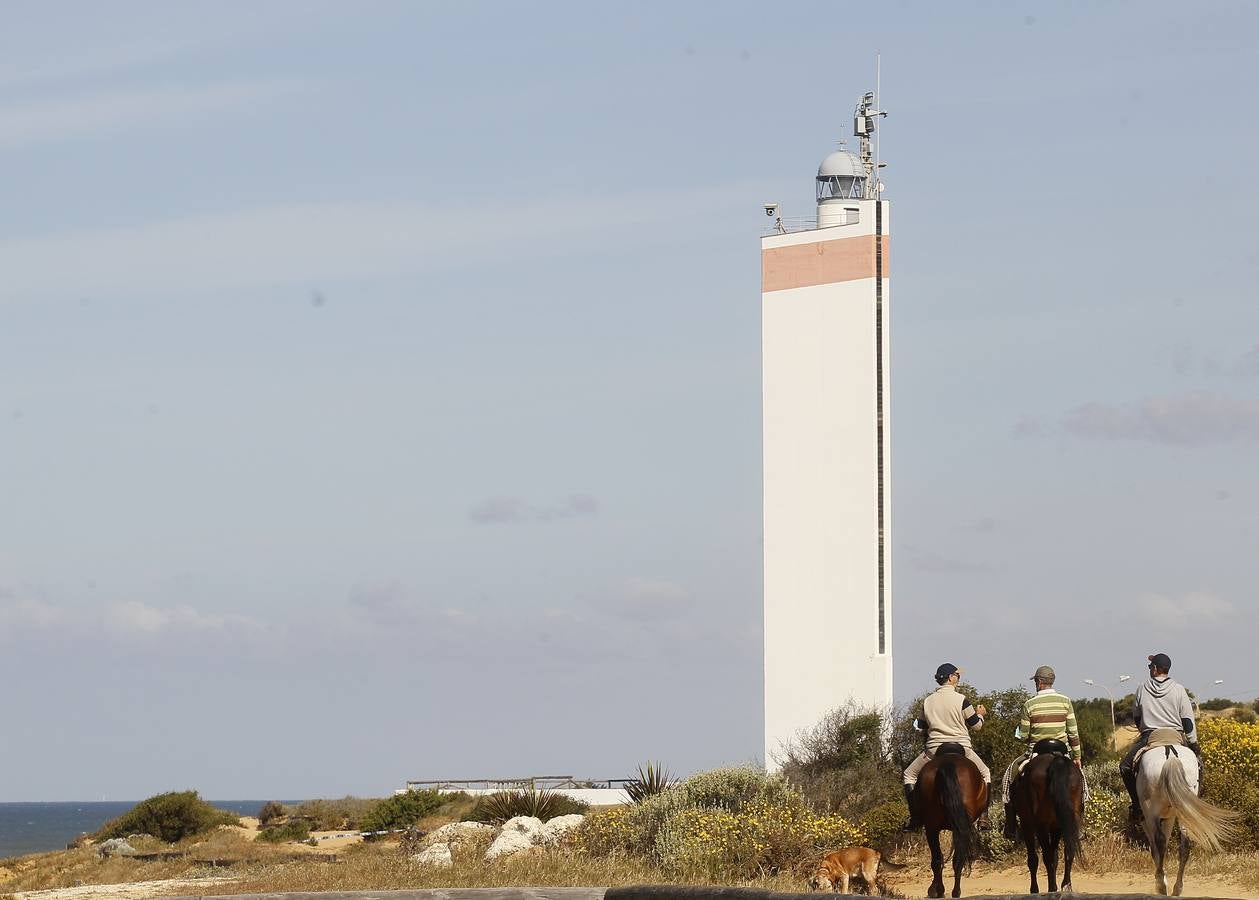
652, 779
543, 804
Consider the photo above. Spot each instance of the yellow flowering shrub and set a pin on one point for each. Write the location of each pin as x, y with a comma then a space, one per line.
763, 836
1229, 747
605, 832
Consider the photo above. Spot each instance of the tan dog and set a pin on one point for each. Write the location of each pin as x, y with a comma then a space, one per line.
836, 868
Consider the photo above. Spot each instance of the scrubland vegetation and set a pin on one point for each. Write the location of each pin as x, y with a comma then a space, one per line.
839, 785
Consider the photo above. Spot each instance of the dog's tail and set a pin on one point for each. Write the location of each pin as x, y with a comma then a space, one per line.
885, 863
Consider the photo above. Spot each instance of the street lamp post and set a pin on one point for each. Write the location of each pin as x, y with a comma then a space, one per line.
1111, 695
1196, 710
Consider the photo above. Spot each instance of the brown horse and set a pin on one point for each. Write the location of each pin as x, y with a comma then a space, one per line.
950, 796
1049, 799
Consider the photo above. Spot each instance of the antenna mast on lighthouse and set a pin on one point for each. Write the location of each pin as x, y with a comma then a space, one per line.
865, 127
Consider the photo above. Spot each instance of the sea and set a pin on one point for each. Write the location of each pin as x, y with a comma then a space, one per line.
40, 827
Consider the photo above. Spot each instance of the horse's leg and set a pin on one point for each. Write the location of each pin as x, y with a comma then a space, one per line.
1047, 849
1067, 859
937, 864
959, 863
1184, 858
1051, 864
1158, 847
1029, 839
1029, 835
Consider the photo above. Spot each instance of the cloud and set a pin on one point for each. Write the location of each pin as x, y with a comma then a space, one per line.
18, 611
390, 605
1027, 428
1245, 365
62, 119
649, 599
307, 243
513, 510
1196, 608
133, 617
1184, 419
88, 62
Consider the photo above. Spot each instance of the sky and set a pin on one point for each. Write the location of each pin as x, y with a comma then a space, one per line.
380, 383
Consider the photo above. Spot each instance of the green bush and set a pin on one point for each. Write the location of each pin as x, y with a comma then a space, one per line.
297, 830
1104, 776
335, 815
730, 789
170, 817
1105, 812
545, 805
401, 810
882, 823
1093, 719
1218, 703
841, 764
761, 837
1235, 791
271, 810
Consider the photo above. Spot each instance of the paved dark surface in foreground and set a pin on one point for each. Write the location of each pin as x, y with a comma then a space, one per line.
646, 892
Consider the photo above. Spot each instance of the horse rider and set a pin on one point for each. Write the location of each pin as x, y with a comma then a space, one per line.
946, 717
1047, 716
1160, 703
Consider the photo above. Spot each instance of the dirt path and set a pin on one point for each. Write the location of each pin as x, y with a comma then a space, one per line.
913, 883
135, 890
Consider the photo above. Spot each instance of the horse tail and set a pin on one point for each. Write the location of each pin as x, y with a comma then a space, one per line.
1205, 823
965, 840
1058, 785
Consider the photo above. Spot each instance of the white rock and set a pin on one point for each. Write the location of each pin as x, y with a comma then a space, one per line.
116, 847
554, 831
437, 856
457, 833
520, 833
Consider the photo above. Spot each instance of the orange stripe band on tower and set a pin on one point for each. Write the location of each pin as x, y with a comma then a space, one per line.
820, 262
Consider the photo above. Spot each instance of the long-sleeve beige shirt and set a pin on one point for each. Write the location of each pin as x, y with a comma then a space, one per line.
950, 717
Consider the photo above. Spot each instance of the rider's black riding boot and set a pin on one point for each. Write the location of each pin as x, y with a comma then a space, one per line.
1130, 782
982, 822
1011, 830
912, 823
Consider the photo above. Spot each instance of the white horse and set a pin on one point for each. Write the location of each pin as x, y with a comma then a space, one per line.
1167, 784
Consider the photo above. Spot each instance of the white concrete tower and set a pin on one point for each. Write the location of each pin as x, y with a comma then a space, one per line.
827, 457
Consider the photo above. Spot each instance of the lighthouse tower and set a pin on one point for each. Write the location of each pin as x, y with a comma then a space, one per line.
827, 458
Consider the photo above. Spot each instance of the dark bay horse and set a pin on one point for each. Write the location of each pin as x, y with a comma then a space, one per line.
1049, 800
950, 796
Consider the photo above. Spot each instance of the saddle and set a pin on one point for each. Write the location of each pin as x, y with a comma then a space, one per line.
952, 748
1052, 746
1160, 737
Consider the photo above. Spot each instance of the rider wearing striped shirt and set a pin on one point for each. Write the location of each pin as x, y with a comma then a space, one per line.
1047, 715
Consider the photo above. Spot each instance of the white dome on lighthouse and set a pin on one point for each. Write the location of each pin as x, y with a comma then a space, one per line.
841, 180
841, 163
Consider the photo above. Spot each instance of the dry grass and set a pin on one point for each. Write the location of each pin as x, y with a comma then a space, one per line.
261, 868
383, 867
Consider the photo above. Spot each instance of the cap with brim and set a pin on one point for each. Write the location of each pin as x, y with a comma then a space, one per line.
945, 670
1161, 660
1044, 673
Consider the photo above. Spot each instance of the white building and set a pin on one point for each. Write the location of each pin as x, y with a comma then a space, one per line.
827, 457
